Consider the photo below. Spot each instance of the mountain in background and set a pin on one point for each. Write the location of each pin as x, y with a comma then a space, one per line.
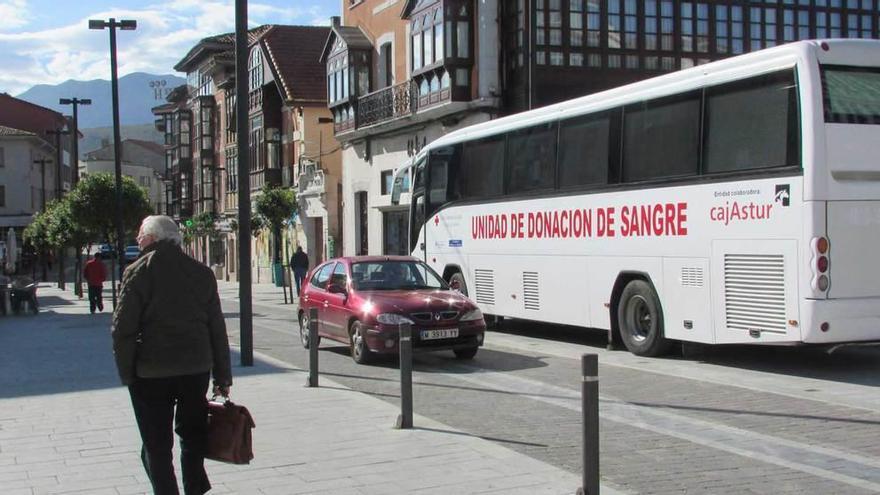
138, 93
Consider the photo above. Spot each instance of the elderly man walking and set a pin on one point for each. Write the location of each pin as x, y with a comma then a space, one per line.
169, 336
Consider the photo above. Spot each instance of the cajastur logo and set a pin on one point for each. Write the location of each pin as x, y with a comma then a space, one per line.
783, 194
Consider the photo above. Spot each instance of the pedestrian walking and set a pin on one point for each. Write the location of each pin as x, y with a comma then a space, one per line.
95, 274
169, 337
300, 263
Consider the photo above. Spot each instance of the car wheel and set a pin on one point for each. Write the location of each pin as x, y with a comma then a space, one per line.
359, 350
457, 279
467, 353
640, 319
304, 330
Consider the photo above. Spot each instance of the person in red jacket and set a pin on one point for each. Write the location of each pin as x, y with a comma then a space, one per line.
95, 273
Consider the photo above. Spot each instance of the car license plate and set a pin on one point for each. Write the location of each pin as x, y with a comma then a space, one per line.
443, 333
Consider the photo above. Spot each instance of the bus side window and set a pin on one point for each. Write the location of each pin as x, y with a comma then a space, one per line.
661, 138
589, 149
752, 124
482, 168
531, 158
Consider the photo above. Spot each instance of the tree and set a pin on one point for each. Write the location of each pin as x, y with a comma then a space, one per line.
201, 225
275, 205
37, 235
93, 202
65, 230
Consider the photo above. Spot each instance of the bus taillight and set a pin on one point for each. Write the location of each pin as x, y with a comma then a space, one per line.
820, 263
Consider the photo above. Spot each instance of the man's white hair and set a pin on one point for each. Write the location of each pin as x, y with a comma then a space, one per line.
162, 228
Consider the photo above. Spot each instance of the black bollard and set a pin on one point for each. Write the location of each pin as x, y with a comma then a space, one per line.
590, 397
313, 348
405, 420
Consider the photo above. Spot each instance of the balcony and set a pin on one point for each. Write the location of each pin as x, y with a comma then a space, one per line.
311, 181
267, 176
387, 104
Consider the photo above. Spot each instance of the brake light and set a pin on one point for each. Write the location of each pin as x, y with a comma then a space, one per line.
820, 263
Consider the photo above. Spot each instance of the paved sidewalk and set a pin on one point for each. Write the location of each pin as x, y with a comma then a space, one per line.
66, 426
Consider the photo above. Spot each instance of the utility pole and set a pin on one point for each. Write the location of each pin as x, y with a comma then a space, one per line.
59, 189
112, 25
59, 160
43, 162
244, 185
74, 172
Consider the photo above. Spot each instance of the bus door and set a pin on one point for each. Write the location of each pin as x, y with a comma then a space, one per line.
417, 213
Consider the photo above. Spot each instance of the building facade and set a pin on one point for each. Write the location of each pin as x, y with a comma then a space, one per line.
399, 75
555, 50
288, 148
30, 172
28, 177
143, 161
402, 73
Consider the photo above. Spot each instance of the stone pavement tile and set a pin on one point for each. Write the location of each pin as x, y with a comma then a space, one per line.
329, 440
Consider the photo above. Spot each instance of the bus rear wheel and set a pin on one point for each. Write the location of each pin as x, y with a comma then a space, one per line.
640, 319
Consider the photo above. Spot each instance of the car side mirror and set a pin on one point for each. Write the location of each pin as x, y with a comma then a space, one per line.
336, 289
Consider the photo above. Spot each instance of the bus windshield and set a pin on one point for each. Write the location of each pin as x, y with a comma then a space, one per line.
851, 94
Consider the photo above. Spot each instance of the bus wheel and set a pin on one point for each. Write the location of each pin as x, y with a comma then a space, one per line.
456, 281
640, 319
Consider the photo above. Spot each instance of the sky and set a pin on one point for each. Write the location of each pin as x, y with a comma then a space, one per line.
48, 41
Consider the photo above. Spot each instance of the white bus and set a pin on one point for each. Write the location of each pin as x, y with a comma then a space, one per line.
733, 202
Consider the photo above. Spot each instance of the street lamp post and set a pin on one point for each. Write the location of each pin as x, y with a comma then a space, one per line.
245, 291
112, 25
74, 172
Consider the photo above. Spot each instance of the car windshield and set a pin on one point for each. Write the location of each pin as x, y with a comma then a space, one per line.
394, 275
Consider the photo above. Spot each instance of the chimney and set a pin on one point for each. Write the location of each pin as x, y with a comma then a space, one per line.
334, 21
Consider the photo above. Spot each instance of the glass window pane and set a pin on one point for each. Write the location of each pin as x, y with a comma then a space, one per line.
751, 124
585, 149
482, 164
532, 160
417, 51
851, 95
661, 138
463, 39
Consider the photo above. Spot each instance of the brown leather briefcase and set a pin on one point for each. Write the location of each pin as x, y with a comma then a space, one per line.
229, 433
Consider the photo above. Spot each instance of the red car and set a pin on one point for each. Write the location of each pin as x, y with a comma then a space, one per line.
363, 300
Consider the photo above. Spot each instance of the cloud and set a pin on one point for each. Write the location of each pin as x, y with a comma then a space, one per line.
14, 13
166, 31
